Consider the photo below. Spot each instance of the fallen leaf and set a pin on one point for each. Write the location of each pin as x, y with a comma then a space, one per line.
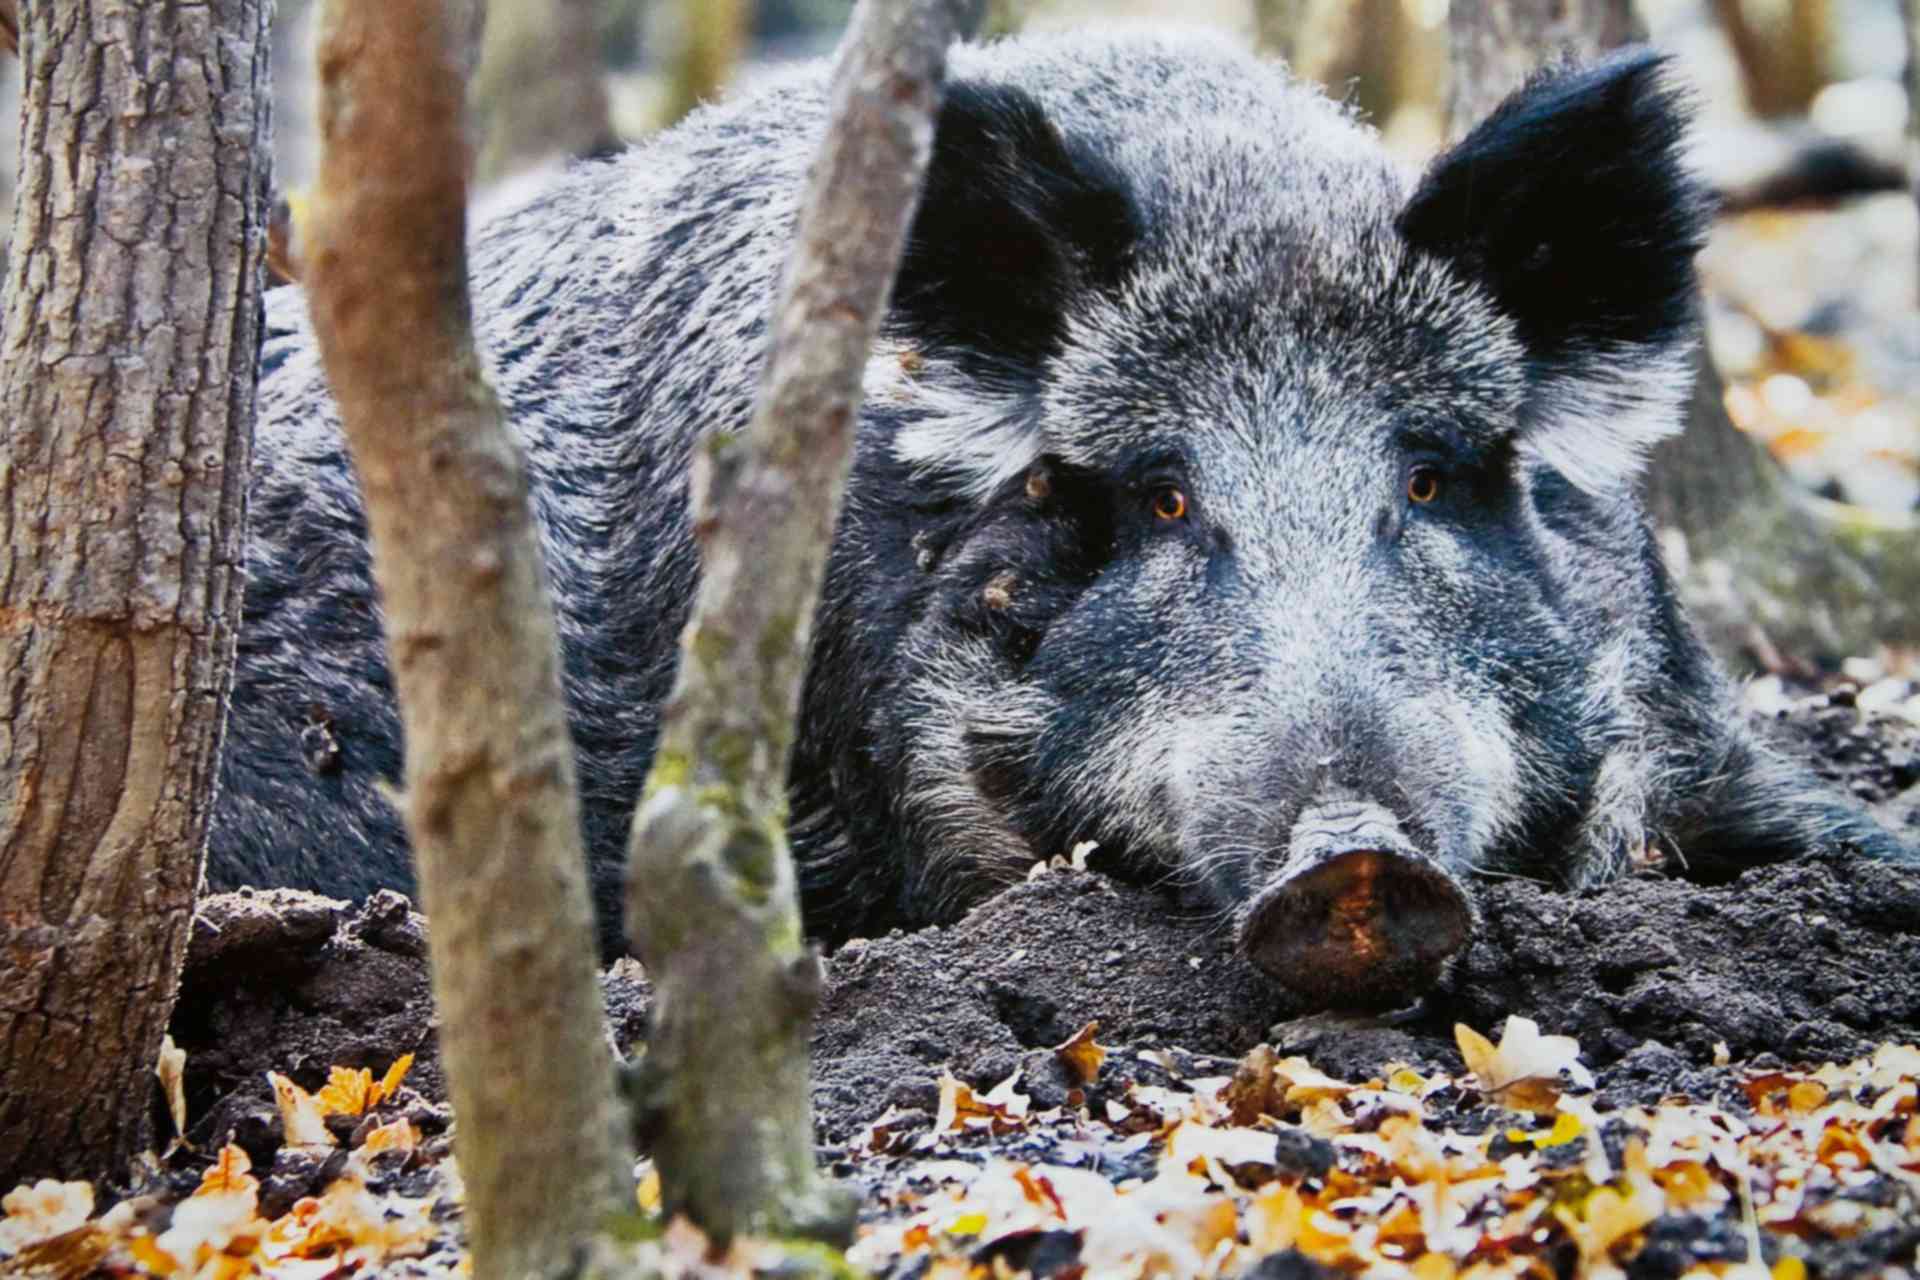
1526, 1071
347, 1092
1248, 1095
172, 1072
398, 1134
390, 1082
300, 1113
43, 1210
230, 1172
1001, 1109
1081, 1056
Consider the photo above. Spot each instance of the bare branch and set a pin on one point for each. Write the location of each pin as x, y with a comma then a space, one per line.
490, 803
736, 988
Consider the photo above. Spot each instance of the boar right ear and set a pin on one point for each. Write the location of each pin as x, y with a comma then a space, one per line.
1016, 229
1572, 206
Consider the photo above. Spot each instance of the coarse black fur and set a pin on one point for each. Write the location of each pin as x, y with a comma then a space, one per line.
1129, 552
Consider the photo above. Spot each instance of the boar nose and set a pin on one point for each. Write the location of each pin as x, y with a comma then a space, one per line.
1357, 916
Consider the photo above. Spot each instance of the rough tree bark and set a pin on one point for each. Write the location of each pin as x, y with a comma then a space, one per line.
1765, 574
711, 896
490, 802
538, 94
708, 38
126, 411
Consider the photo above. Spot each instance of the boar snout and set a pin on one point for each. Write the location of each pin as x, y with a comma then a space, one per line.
1357, 916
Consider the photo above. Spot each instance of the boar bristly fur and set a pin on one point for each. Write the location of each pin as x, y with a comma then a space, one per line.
1212, 470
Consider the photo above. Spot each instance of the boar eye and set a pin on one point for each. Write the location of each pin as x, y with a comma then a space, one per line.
1423, 484
1169, 503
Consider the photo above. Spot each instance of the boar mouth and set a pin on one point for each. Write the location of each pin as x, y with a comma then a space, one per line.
1357, 918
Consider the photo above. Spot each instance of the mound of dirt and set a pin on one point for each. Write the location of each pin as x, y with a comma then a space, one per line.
279, 980
1656, 978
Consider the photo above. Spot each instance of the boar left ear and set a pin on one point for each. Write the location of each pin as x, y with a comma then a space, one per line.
1017, 228
1571, 205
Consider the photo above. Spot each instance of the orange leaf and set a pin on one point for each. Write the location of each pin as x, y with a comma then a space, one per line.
151, 1256
228, 1172
348, 1092
390, 1082
396, 1135
1039, 1191
1081, 1056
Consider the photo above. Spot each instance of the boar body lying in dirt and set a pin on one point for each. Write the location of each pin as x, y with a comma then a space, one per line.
1222, 495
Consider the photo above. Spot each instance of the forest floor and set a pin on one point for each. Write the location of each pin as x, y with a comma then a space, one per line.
1078, 1079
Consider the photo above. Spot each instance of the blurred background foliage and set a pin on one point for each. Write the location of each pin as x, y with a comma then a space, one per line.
601, 72
1838, 64
1804, 130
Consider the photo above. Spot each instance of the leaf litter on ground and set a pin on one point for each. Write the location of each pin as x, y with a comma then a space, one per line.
1508, 1169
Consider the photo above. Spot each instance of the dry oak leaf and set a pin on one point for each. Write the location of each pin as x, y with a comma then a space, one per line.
172, 1071
1001, 1109
208, 1228
1081, 1055
231, 1170
349, 1223
300, 1114
46, 1233
351, 1092
1525, 1071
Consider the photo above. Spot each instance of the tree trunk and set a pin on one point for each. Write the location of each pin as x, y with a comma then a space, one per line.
126, 407
538, 94
711, 894
1313, 37
490, 803
1774, 577
1370, 53
1783, 51
1762, 574
1497, 44
1910, 15
708, 38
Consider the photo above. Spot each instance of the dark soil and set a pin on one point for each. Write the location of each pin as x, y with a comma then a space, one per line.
1871, 756
1657, 978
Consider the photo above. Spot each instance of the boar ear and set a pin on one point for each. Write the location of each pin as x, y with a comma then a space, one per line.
1571, 205
1016, 229
1014, 223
